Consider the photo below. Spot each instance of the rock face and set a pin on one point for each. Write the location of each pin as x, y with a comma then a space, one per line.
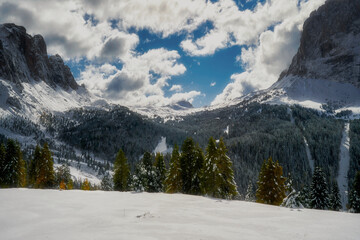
24, 58
329, 47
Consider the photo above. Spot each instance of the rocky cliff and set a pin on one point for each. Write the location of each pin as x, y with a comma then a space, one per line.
24, 58
329, 46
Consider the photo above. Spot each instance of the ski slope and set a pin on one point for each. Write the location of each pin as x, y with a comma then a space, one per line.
344, 164
52, 214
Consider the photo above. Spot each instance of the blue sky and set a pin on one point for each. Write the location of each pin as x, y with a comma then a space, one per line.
158, 52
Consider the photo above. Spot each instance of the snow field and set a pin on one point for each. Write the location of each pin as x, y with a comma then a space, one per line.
52, 214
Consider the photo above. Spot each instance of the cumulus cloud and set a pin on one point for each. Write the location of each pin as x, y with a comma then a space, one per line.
141, 80
212, 84
176, 88
99, 31
272, 54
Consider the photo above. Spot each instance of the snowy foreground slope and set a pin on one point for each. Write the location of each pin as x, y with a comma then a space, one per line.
52, 214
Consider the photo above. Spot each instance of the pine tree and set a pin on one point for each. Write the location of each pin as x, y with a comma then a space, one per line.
121, 172
250, 196
144, 178
334, 201
227, 185
304, 196
319, 197
191, 163
160, 172
211, 171
2, 164
62, 175
292, 200
173, 180
271, 184
106, 183
354, 198
85, 185
34, 166
13, 166
46, 174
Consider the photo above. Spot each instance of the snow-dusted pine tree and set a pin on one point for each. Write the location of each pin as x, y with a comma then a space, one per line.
292, 200
121, 172
319, 197
2, 164
144, 178
271, 184
191, 164
106, 182
334, 201
304, 196
250, 196
354, 198
211, 175
227, 185
173, 180
160, 172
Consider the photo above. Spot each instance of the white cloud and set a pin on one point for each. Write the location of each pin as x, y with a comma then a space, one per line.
141, 80
212, 84
144, 76
176, 88
272, 54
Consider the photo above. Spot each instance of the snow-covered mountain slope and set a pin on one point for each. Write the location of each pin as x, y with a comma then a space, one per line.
326, 68
32, 82
52, 214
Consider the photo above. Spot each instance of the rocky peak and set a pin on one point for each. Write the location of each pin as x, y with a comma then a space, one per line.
329, 46
24, 58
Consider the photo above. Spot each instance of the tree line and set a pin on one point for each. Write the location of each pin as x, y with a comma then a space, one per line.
190, 171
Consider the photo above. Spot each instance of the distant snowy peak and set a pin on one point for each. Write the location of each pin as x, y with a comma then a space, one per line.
181, 105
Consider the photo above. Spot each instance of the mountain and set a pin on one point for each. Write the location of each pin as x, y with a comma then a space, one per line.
41, 103
30, 80
326, 68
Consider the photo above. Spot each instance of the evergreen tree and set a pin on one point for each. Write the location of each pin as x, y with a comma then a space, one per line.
334, 201
292, 200
106, 182
319, 197
144, 178
250, 196
46, 174
160, 172
211, 181
227, 185
271, 184
62, 175
121, 172
85, 185
191, 163
34, 166
173, 180
13, 166
354, 198
2, 164
304, 196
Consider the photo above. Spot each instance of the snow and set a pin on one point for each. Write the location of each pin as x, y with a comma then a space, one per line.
52, 214
162, 147
344, 164
308, 154
82, 173
226, 131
